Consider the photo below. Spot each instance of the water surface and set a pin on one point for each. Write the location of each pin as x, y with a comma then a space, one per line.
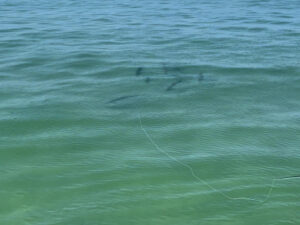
73, 151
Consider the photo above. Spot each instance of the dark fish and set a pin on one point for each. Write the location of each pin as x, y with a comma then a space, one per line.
178, 69
147, 80
138, 71
173, 84
121, 98
289, 177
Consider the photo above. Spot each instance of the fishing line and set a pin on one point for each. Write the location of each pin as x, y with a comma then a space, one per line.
158, 148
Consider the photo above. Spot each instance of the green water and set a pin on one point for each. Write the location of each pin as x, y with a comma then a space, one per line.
199, 135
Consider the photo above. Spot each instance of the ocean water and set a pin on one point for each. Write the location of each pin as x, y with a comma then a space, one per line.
149, 112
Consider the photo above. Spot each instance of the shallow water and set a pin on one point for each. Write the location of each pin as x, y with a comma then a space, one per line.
73, 150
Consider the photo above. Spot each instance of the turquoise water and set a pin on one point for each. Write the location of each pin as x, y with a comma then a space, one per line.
149, 112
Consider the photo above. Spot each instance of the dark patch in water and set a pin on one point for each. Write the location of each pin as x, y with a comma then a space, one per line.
169, 88
121, 98
138, 71
290, 177
147, 80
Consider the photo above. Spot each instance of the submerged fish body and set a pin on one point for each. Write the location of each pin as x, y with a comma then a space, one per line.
121, 98
290, 177
170, 87
147, 80
138, 71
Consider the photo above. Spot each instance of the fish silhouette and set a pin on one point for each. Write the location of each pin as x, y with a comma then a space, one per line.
121, 98
138, 71
170, 87
290, 177
147, 80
